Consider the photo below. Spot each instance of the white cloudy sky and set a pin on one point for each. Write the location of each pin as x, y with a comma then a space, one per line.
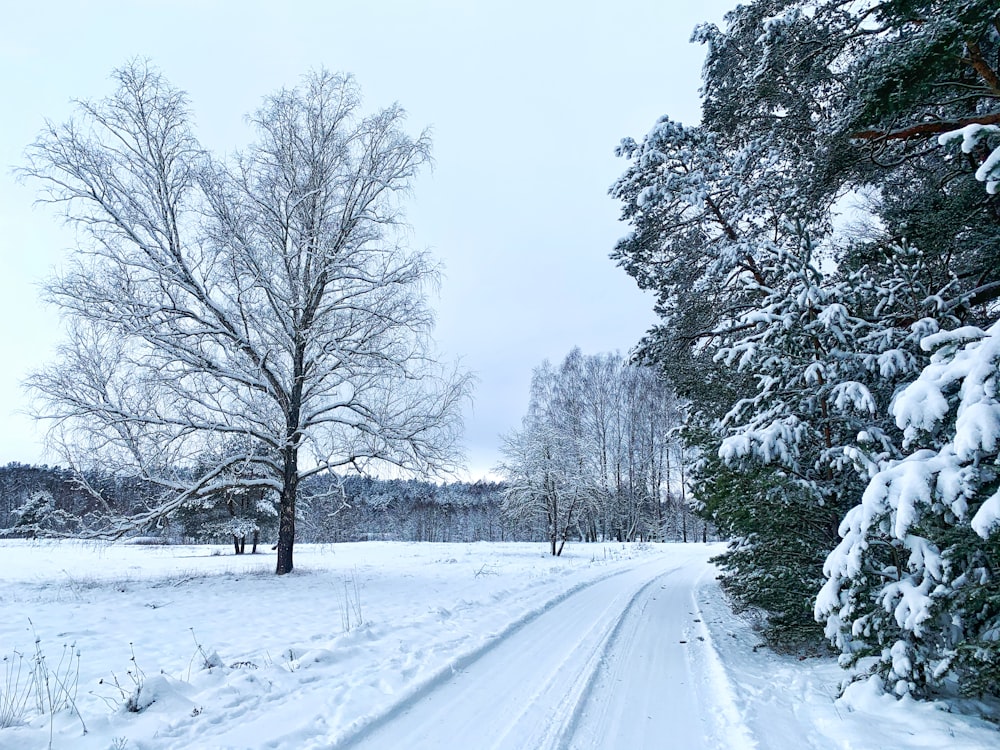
526, 102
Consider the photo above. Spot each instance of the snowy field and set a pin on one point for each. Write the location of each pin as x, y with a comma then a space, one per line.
392, 645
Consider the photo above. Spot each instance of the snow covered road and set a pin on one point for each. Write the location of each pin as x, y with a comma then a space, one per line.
660, 678
624, 662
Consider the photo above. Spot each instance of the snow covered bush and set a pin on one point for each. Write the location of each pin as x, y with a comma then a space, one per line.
915, 581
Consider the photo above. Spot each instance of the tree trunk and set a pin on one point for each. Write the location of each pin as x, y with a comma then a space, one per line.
256, 539
231, 507
554, 521
286, 518
290, 468
286, 532
684, 504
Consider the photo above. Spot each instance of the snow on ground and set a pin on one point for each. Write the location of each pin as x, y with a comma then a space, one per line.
361, 642
788, 702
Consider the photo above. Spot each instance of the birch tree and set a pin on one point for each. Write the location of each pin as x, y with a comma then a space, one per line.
269, 296
591, 455
542, 465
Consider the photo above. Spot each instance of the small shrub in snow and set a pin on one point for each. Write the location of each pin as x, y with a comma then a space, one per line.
291, 660
132, 697
350, 603
56, 688
208, 660
32, 681
488, 569
16, 690
149, 692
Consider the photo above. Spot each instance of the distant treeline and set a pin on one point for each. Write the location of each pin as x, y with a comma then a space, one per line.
45, 500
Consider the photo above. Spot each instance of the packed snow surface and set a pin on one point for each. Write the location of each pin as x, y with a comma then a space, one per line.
395, 645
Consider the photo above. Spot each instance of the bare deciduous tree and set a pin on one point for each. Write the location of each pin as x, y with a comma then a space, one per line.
591, 457
269, 296
544, 478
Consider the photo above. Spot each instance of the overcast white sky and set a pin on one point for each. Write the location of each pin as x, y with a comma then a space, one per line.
526, 102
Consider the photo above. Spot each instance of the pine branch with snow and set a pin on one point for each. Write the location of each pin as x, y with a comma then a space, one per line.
914, 581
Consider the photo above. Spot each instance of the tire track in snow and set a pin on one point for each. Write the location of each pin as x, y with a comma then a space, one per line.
531, 687
556, 620
660, 682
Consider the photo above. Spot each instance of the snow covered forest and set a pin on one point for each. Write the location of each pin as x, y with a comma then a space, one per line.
824, 248
42, 501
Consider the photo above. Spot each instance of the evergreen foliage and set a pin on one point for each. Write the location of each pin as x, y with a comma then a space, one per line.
775, 527
915, 580
802, 339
